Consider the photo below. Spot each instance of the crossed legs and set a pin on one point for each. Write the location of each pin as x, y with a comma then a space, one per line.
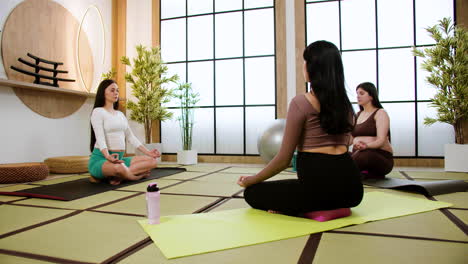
140, 167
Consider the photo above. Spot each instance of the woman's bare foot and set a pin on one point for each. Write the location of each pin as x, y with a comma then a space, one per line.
114, 180
94, 180
144, 175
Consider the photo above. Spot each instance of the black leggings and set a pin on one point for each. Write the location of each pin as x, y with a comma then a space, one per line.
325, 182
376, 162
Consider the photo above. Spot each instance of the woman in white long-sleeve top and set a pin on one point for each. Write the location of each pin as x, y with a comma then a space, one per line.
109, 131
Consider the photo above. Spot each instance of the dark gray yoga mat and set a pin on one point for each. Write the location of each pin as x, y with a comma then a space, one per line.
425, 187
71, 190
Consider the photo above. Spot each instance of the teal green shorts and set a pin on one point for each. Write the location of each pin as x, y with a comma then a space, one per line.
97, 159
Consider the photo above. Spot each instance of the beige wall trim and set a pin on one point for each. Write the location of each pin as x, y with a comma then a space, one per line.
119, 39
155, 41
435, 163
219, 159
461, 9
281, 59
299, 22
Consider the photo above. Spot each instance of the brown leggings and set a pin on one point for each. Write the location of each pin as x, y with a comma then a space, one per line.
376, 162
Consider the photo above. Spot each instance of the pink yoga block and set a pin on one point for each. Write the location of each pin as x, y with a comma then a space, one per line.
327, 215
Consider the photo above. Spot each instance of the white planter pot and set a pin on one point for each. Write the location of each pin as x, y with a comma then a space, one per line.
456, 157
151, 146
187, 157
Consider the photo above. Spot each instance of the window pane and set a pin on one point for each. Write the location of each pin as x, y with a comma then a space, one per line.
172, 8
257, 120
203, 130
431, 139
260, 80
227, 5
200, 74
259, 32
359, 67
180, 70
173, 40
358, 24
229, 82
395, 32
428, 13
200, 37
199, 6
170, 134
425, 90
323, 22
257, 3
396, 75
402, 128
229, 130
228, 35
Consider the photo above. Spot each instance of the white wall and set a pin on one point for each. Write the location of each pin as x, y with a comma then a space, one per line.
139, 23
29, 137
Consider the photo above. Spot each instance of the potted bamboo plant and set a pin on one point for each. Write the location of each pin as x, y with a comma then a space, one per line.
188, 99
149, 80
447, 63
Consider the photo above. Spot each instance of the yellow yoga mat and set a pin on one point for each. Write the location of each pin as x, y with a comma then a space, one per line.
185, 235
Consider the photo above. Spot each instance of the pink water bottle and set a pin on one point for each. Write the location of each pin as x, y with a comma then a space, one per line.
152, 203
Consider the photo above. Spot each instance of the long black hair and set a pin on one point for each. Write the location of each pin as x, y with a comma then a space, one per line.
100, 102
326, 74
372, 91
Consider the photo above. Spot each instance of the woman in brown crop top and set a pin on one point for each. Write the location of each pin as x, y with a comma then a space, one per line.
372, 150
318, 125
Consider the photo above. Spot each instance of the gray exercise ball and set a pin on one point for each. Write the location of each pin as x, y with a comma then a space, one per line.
269, 142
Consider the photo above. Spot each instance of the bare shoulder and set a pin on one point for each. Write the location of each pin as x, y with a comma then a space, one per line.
381, 113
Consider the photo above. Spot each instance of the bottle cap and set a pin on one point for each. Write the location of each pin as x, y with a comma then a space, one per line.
152, 187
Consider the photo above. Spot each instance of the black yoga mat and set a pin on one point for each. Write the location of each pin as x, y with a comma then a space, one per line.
71, 190
425, 187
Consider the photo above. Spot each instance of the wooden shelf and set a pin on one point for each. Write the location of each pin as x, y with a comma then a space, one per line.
40, 87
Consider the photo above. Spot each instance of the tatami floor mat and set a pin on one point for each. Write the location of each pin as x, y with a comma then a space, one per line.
395, 174
284, 251
205, 168
345, 248
204, 188
62, 179
5, 198
82, 203
438, 175
94, 236
88, 237
410, 194
244, 170
17, 187
234, 203
185, 175
458, 199
461, 214
428, 224
141, 187
170, 204
17, 217
221, 177
7, 259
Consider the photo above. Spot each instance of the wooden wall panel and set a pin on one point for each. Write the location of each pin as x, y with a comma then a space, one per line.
119, 46
281, 59
156, 41
299, 24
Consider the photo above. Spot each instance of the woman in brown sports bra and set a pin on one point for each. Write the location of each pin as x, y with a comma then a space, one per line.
372, 150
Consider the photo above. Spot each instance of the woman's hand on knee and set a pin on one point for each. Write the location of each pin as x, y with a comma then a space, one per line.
154, 153
246, 181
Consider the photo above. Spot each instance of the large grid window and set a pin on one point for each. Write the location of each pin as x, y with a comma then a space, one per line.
226, 50
375, 38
